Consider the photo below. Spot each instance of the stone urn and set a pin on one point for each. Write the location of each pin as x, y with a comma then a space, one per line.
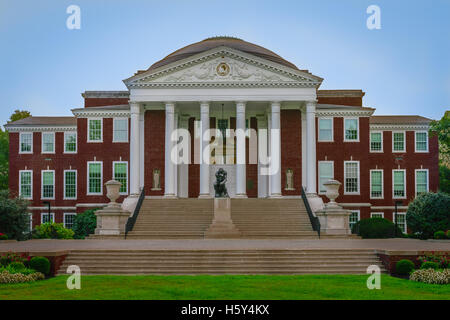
112, 191
332, 192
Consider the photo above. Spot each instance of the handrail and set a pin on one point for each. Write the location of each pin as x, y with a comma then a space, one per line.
314, 220
132, 220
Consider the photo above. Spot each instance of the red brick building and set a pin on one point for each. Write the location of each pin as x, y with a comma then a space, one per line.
296, 136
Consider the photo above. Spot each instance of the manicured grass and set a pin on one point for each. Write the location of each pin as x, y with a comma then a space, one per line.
225, 287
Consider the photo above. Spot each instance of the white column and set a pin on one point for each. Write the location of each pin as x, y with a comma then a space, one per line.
275, 151
204, 141
262, 137
311, 147
241, 187
169, 168
134, 148
303, 149
142, 148
183, 168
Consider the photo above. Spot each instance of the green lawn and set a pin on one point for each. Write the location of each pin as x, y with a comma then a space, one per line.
225, 287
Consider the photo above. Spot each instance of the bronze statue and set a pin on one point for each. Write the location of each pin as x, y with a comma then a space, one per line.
219, 185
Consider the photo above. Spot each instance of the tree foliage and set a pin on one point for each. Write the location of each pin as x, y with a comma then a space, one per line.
19, 114
441, 129
428, 213
13, 215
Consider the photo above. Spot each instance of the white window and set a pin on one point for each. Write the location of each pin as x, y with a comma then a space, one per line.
376, 141
421, 141
30, 223
26, 184
398, 141
48, 142
70, 184
351, 132
48, 184
70, 142
45, 217
376, 184
325, 129
95, 178
377, 214
399, 184
26, 142
120, 130
120, 173
353, 218
421, 181
95, 130
351, 177
326, 172
69, 219
400, 217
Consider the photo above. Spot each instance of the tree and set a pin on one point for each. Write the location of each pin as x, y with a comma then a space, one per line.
13, 215
19, 114
429, 213
441, 129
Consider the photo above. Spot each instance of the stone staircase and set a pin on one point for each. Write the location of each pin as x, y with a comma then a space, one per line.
173, 219
272, 219
190, 218
215, 262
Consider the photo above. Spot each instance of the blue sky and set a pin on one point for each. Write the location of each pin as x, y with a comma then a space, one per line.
404, 68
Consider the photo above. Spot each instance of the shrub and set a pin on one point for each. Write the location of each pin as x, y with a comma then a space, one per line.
16, 266
431, 276
429, 265
429, 213
375, 228
442, 260
439, 235
40, 264
13, 216
3, 236
84, 224
404, 267
6, 277
448, 234
51, 230
9, 257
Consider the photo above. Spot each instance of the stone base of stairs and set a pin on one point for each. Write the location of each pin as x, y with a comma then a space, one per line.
216, 262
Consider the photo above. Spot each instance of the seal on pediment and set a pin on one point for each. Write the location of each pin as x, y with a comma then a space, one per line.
223, 69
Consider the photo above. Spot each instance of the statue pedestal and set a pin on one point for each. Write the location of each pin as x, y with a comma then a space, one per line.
334, 220
111, 220
222, 225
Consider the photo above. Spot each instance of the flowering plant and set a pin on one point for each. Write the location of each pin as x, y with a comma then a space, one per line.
7, 258
442, 260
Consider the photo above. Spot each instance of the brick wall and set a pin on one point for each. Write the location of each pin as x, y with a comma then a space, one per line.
154, 141
291, 149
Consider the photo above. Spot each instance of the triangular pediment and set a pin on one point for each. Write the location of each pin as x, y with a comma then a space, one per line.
223, 67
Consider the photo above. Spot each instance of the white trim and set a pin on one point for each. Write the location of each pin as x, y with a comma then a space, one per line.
344, 113
357, 128
20, 184
42, 143
43, 214
318, 173
415, 180
404, 183
64, 184
382, 183
370, 141
389, 207
372, 213
42, 185
404, 142
399, 127
359, 177
53, 207
91, 205
44, 128
318, 129
67, 214
415, 141
355, 205
101, 179
405, 230
114, 129
114, 174
20, 142
76, 141
101, 130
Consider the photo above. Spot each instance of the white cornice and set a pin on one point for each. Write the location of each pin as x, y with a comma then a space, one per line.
41, 128
344, 113
299, 78
86, 113
407, 127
